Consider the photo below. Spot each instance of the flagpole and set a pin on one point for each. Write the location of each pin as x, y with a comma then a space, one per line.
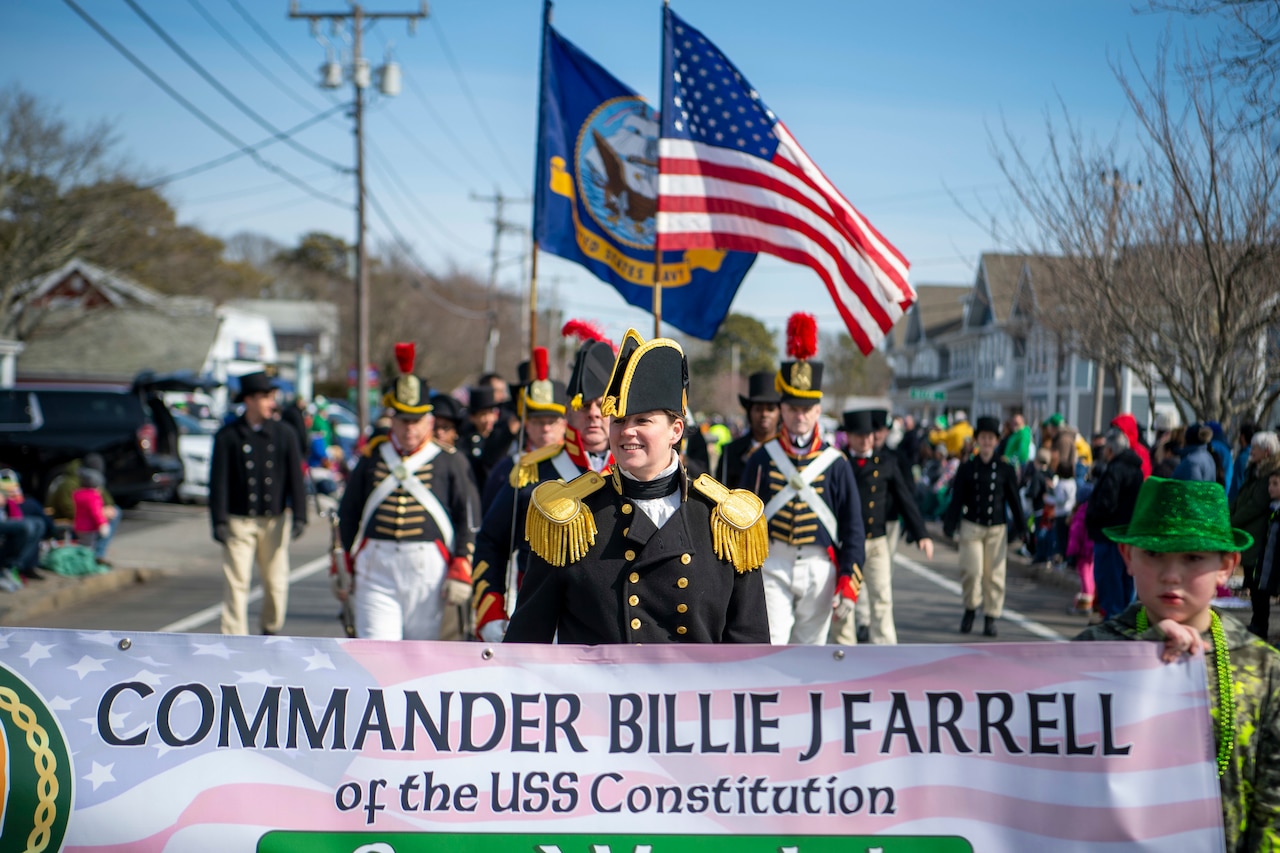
533, 301
657, 252
533, 262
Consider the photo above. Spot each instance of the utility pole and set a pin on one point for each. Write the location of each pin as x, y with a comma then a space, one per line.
360, 79
1118, 188
500, 227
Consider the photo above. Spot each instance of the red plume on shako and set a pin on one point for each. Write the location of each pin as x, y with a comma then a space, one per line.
407, 394
541, 396
799, 381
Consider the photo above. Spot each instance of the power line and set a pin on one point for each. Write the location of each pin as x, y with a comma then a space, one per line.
444, 126
475, 107
396, 184
249, 57
271, 42
200, 114
244, 192
426, 152
228, 94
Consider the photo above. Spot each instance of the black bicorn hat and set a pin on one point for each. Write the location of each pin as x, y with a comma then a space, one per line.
592, 364
800, 380
444, 406
987, 424
862, 421
647, 376
256, 383
760, 389
407, 395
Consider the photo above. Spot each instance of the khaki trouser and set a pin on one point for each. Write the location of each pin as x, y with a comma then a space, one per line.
982, 557
267, 540
862, 609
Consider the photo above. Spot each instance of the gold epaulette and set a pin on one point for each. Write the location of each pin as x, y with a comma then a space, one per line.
525, 471
557, 527
739, 531
372, 445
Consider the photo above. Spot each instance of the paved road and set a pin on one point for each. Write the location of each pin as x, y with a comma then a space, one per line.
188, 588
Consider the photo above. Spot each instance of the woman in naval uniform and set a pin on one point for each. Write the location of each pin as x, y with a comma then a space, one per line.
642, 554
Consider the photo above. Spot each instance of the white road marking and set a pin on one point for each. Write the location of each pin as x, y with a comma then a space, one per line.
951, 586
203, 617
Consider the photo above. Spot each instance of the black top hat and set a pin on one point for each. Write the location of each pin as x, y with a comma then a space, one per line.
407, 395
862, 421
592, 367
800, 380
444, 406
646, 377
260, 382
987, 424
481, 397
881, 418
760, 389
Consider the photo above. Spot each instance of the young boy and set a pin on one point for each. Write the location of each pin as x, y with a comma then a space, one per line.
1179, 546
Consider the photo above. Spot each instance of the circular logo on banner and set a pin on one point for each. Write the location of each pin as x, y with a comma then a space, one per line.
35, 770
617, 164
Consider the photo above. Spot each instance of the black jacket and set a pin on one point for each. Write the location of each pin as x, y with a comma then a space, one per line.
980, 493
642, 584
1114, 495
255, 473
733, 461
885, 495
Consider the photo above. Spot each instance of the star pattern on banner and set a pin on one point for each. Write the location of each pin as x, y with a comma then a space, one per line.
258, 676
318, 660
102, 638
87, 665
38, 651
217, 650
716, 104
100, 775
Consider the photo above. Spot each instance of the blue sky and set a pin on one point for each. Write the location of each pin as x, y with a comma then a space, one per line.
894, 101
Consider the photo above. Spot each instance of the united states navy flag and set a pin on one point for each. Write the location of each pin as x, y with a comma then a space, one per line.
597, 194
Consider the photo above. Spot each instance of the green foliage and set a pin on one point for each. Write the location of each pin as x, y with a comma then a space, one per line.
756, 348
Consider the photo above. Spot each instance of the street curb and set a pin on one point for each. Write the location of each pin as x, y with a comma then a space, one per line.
55, 592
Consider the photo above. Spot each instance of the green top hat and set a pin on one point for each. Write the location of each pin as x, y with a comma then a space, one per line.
1180, 516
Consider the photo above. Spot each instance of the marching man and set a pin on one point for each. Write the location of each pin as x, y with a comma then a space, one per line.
406, 520
811, 503
585, 448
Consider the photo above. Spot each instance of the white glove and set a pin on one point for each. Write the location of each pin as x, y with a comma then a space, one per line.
456, 592
841, 607
493, 632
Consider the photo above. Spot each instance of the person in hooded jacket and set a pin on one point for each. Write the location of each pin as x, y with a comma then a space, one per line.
1197, 462
1128, 425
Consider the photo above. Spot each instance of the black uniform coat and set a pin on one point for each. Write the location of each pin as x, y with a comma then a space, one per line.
448, 478
255, 473
733, 461
885, 495
502, 531
980, 493
642, 584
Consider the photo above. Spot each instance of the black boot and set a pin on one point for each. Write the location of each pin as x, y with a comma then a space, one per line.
989, 627
864, 634
966, 621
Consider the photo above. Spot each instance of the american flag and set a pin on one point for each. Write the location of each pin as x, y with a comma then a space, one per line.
733, 177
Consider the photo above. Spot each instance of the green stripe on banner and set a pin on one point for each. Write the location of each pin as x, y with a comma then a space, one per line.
425, 842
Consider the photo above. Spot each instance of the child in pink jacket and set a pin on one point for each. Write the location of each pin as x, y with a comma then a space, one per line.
1080, 553
90, 520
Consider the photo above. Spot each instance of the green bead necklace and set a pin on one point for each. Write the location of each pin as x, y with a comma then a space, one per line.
1226, 696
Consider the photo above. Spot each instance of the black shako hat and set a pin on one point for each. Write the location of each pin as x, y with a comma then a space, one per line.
760, 389
444, 406
540, 395
987, 424
256, 383
800, 381
646, 377
407, 395
862, 421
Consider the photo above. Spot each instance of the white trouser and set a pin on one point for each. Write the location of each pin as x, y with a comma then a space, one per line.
799, 585
862, 610
398, 588
982, 566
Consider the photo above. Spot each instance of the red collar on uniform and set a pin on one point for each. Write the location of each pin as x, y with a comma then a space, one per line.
573, 447
815, 444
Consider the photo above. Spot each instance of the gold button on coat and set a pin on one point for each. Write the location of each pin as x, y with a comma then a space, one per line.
633, 600
626, 531
635, 624
682, 608
630, 555
686, 559
682, 583
682, 630
626, 509
875, 473
635, 577
871, 504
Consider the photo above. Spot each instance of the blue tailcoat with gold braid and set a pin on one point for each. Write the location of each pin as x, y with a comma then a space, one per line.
796, 523
638, 583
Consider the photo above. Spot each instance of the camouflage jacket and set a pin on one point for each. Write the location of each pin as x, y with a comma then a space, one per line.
1251, 783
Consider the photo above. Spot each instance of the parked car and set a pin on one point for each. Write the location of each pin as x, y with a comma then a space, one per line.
44, 427
195, 449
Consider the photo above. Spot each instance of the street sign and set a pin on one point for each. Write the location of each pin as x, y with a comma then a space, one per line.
925, 394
